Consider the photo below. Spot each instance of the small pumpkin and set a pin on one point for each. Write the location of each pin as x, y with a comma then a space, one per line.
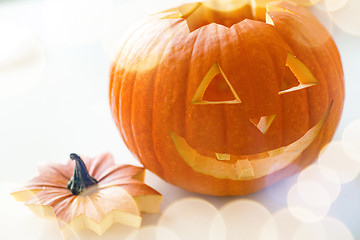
95, 198
227, 101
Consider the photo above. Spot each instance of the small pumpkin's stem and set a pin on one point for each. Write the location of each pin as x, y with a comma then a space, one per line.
81, 178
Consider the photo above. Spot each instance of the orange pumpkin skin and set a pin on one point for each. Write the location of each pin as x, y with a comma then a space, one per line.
158, 71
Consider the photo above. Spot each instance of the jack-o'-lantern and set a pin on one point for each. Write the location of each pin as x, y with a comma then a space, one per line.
227, 101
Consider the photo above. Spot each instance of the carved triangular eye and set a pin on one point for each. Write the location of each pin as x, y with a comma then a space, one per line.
302, 74
263, 123
215, 88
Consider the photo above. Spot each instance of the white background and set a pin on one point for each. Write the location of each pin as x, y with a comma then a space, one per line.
54, 69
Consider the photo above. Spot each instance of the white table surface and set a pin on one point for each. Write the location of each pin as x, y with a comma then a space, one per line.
54, 68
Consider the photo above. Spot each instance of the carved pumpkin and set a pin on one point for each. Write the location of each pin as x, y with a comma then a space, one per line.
94, 199
222, 102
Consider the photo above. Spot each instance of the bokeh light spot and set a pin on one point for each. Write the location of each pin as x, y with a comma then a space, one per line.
327, 229
313, 231
286, 224
291, 228
153, 232
324, 176
193, 218
128, 16
335, 157
351, 140
336, 229
348, 18
323, 16
247, 219
333, 5
329, 6
308, 201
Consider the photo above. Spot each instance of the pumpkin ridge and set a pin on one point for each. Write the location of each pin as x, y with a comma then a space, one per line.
136, 81
113, 170
77, 204
291, 44
256, 56
187, 99
306, 96
113, 107
57, 170
131, 140
193, 39
96, 207
40, 186
114, 93
335, 55
61, 213
238, 33
49, 180
97, 165
306, 93
131, 129
226, 119
279, 114
117, 99
223, 119
153, 90
323, 76
308, 109
43, 198
138, 191
250, 23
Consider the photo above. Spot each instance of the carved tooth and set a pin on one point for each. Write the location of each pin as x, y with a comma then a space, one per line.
244, 169
277, 151
222, 156
269, 19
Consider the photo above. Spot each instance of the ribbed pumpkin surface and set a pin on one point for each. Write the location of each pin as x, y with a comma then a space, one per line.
163, 62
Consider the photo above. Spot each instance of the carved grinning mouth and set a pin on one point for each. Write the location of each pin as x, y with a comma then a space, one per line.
248, 166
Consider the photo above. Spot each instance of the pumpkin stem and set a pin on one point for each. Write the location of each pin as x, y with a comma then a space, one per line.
81, 178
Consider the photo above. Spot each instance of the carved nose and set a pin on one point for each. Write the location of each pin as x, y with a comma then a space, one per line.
263, 123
